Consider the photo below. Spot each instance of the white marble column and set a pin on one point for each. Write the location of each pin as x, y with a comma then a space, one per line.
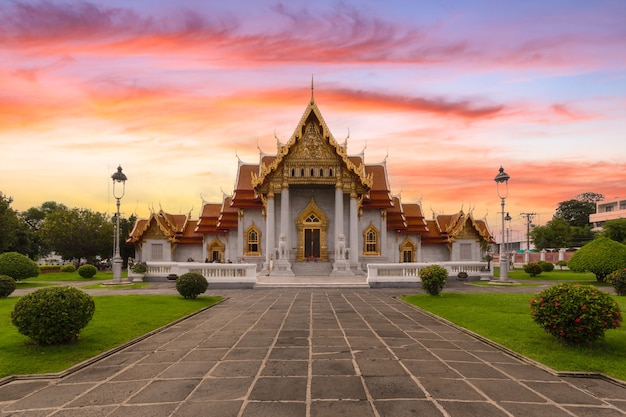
270, 240
239, 250
284, 216
338, 214
354, 233
383, 232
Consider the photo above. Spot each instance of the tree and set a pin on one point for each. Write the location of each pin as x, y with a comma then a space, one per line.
601, 256
615, 230
557, 233
590, 197
575, 212
127, 250
78, 233
9, 224
33, 218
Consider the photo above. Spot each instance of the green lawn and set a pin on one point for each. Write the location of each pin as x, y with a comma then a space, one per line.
556, 275
505, 319
72, 276
117, 320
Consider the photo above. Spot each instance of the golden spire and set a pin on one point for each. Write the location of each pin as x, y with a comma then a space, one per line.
312, 98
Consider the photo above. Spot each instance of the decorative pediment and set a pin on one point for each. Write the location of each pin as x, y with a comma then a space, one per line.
311, 156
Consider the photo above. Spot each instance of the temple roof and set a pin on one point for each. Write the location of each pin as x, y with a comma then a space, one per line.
312, 115
209, 219
177, 228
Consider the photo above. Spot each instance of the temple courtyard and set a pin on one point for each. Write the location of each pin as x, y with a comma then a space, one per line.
315, 352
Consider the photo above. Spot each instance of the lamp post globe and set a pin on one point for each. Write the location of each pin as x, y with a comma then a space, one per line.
502, 186
119, 188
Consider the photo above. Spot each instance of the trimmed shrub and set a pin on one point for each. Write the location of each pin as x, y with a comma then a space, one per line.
191, 284
561, 263
7, 286
618, 280
87, 271
433, 278
53, 315
18, 266
546, 266
601, 256
575, 314
533, 269
68, 268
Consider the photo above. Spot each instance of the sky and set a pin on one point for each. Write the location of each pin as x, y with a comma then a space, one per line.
446, 91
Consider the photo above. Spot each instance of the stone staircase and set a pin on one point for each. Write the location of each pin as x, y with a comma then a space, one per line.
312, 269
312, 275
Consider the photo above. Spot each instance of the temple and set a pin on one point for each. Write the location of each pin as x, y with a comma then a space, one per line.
311, 208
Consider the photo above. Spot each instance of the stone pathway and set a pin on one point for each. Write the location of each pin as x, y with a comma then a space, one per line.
312, 353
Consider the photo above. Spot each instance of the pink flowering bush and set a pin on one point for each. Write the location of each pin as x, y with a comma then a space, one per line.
575, 314
433, 278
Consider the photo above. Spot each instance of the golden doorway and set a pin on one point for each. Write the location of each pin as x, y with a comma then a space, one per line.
312, 226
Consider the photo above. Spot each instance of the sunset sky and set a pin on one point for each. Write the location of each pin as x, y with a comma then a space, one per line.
446, 90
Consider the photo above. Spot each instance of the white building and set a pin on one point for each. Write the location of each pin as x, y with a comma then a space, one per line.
607, 210
311, 202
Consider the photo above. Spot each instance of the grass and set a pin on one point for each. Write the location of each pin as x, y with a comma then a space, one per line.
132, 286
72, 276
505, 319
117, 320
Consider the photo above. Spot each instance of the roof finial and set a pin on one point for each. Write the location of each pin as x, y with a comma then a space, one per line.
312, 98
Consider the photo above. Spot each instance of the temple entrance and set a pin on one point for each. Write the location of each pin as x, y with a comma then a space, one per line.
311, 244
312, 226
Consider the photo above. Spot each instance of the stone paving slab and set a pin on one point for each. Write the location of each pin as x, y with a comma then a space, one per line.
313, 353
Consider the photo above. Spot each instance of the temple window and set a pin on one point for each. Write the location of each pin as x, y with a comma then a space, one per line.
312, 172
465, 251
330, 172
321, 172
293, 172
302, 172
253, 247
371, 241
157, 252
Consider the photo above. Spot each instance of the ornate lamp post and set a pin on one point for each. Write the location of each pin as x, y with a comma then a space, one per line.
508, 245
503, 192
118, 193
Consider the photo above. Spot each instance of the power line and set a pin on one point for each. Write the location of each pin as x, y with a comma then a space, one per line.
528, 222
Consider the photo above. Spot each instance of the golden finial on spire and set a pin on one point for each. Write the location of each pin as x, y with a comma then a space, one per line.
312, 98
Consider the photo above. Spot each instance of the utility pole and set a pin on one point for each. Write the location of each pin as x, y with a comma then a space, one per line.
528, 220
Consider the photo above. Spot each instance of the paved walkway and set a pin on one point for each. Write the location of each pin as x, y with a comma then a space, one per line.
312, 353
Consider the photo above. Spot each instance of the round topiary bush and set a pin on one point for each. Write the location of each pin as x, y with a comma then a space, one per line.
68, 268
546, 266
433, 278
533, 269
87, 271
18, 266
575, 314
191, 284
53, 315
618, 280
7, 286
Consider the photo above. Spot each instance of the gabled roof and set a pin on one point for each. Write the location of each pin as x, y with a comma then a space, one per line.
207, 224
228, 215
395, 217
379, 195
459, 224
416, 224
269, 165
177, 228
244, 195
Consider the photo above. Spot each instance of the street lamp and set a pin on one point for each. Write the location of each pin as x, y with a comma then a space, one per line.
508, 245
118, 178
503, 192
